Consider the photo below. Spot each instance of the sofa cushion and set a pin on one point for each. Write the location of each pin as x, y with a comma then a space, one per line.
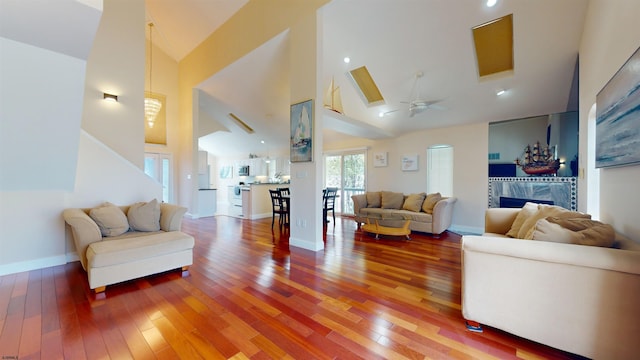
413, 202
110, 219
430, 202
131, 249
526, 212
144, 216
578, 231
391, 200
545, 211
376, 213
411, 215
373, 199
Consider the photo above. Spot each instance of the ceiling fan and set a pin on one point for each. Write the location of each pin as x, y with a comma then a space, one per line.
417, 105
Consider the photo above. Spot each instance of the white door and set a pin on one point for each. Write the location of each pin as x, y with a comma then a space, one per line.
159, 167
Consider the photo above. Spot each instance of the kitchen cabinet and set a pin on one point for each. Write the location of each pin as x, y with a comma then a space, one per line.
246, 203
207, 202
283, 166
258, 167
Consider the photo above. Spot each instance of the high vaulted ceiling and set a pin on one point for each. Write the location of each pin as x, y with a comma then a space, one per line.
394, 40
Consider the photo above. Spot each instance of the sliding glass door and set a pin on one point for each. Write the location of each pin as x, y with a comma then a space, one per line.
347, 172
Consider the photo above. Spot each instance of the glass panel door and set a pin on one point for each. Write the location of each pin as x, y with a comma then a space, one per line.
158, 167
347, 172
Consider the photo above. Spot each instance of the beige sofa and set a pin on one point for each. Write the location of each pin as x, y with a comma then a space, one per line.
430, 213
111, 254
581, 299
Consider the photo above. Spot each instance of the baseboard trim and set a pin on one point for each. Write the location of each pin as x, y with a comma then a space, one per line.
466, 230
305, 244
29, 265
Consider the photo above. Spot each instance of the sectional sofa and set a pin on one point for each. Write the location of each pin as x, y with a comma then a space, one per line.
430, 213
555, 281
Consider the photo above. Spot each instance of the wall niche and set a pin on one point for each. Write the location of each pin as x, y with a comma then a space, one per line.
508, 139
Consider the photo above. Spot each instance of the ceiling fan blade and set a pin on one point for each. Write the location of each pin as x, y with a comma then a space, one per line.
385, 113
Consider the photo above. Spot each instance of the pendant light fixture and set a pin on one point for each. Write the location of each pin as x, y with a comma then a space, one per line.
151, 105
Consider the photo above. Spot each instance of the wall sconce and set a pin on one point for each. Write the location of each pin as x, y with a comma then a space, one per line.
110, 97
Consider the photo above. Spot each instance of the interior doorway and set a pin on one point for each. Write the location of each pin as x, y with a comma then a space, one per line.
440, 169
159, 166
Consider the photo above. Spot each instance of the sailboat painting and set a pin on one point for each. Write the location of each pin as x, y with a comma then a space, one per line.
618, 117
302, 132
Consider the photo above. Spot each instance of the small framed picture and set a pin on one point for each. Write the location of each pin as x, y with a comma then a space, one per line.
380, 159
410, 162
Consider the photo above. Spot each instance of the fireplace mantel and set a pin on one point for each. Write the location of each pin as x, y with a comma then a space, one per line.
561, 190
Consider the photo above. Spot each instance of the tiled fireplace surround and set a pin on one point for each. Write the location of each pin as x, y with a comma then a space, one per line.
561, 190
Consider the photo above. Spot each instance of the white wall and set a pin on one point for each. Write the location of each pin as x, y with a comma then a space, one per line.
44, 104
32, 231
610, 36
116, 65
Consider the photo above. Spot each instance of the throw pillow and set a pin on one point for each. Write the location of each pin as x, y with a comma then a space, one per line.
579, 231
548, 231
526, 231
144, 216
391, 200
110, 219
527, 210
373, 199
430, 202
413, 202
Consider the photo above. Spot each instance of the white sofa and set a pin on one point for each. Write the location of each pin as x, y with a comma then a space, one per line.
581, 299
434, 218
132, 254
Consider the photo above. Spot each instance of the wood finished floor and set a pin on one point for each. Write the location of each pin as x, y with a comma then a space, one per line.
249, 296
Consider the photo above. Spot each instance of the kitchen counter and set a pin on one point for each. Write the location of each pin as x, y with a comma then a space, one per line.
272, 184
206, 202
256, 200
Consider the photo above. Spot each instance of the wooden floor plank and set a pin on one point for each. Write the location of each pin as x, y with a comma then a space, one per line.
248, 295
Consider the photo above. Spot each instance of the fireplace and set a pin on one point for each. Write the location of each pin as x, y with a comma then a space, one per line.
510, 202
556, 190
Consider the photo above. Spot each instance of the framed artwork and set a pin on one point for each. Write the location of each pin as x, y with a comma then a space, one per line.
301, 132
410, 162
618, 117
226, 172
380, 159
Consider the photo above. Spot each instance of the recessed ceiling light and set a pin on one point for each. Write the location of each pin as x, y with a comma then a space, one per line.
381, 114
261, 141
491, 3
347, 59
500, 92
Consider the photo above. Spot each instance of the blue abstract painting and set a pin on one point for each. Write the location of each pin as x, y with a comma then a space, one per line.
618, 117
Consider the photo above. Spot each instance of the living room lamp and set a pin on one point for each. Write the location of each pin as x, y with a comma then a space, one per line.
151, 106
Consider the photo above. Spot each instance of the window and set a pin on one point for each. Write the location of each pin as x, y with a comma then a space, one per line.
346, 171
440, 169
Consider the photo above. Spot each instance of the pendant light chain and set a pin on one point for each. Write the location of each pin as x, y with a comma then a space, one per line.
150, 58
151, 105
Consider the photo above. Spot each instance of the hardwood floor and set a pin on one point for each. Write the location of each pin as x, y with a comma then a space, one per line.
248, 295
